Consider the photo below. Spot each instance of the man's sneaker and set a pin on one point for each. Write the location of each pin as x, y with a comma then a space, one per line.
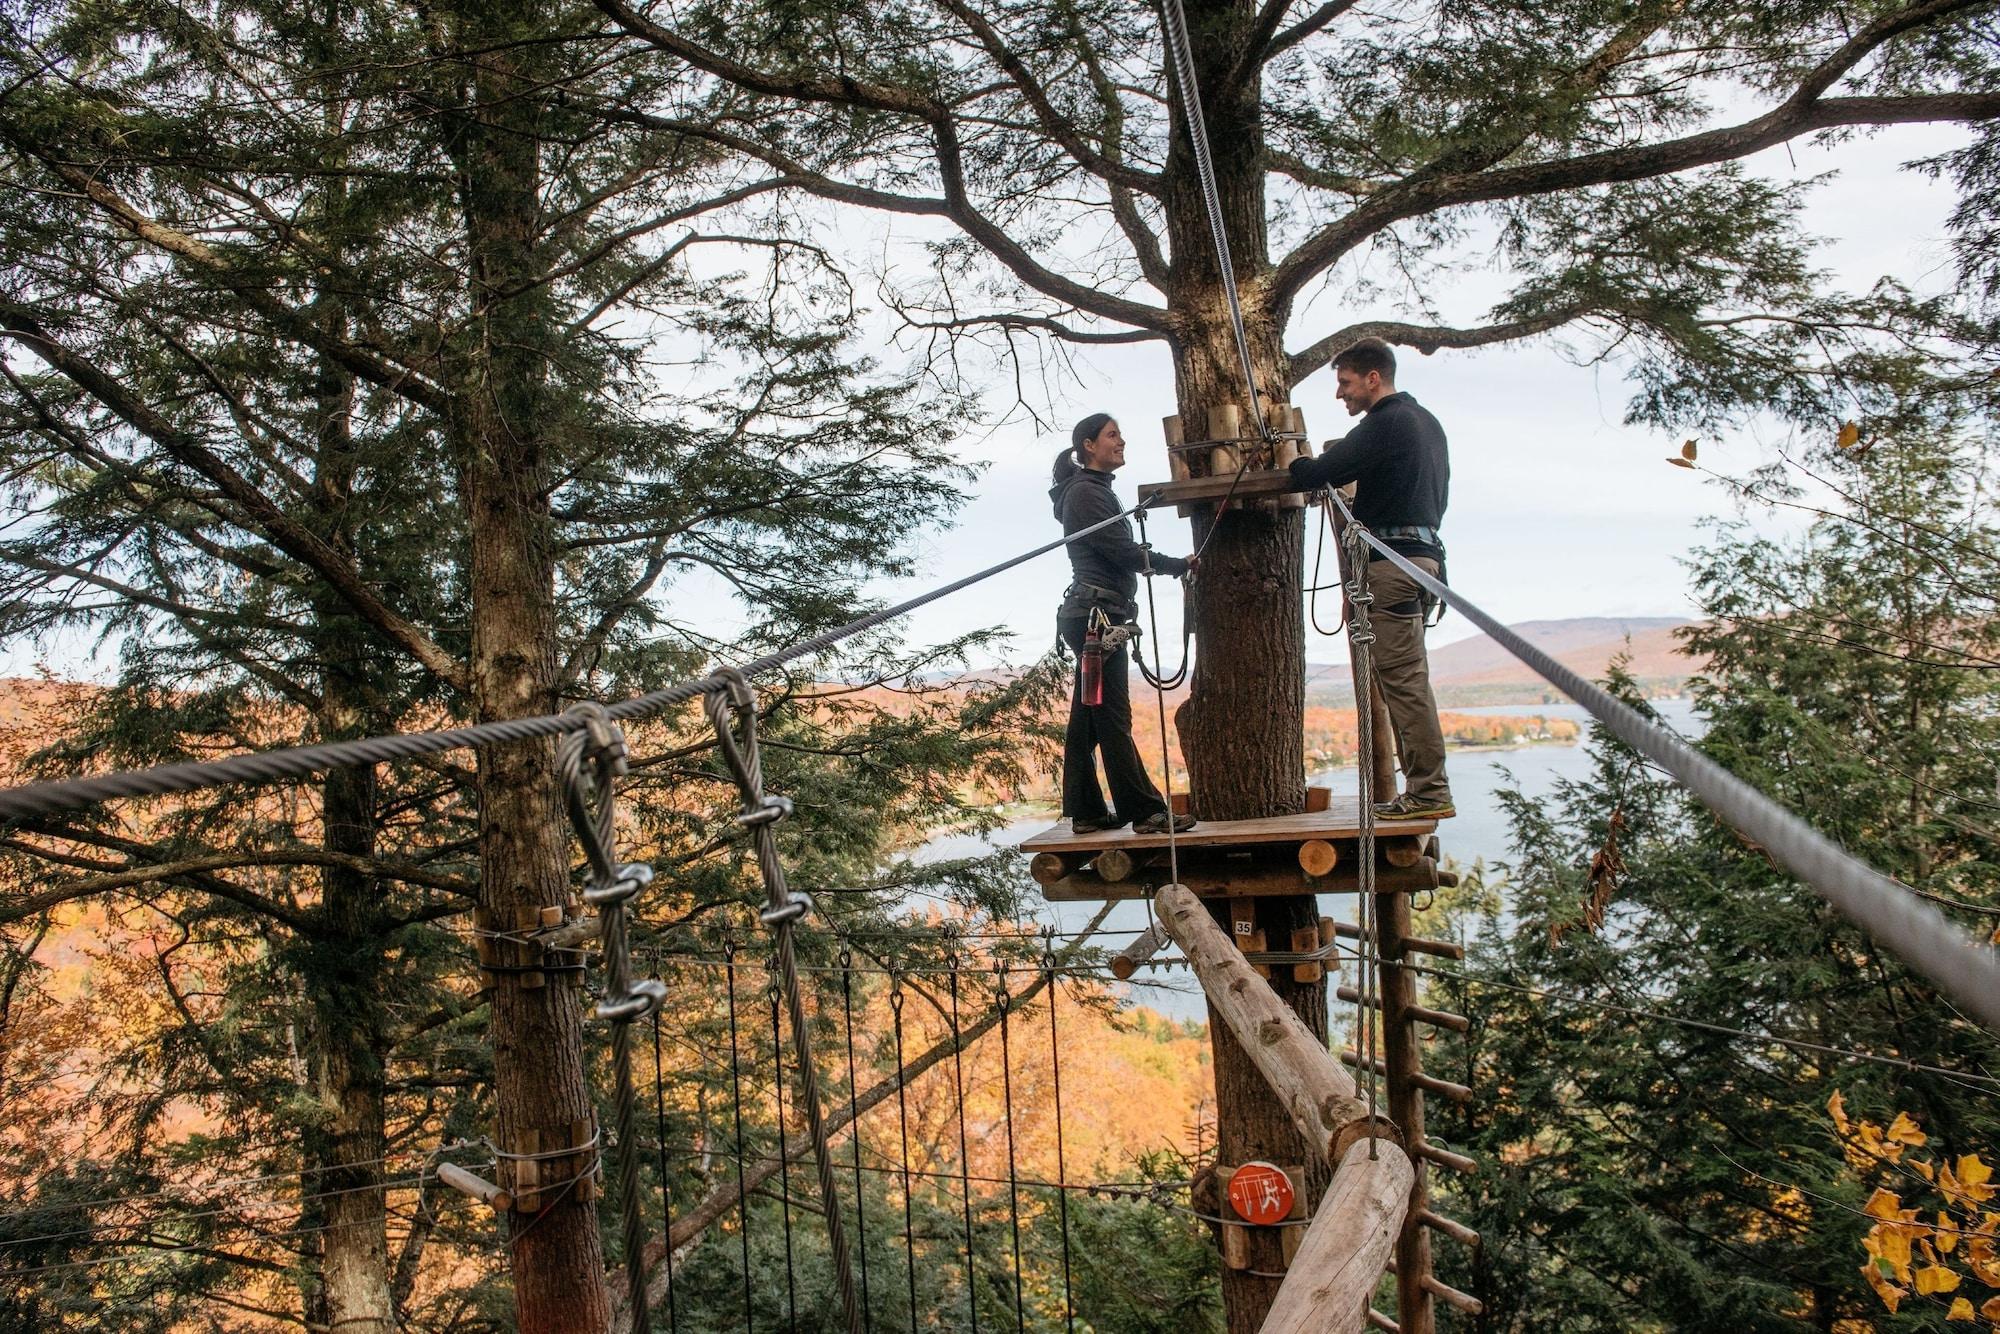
1083, 824
1407, 807
1156, 823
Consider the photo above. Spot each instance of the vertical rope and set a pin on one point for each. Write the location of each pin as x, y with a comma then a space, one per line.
666, 1186
1361, 635
1062, 1172
903, 1130
780, 916
964, 1146
784, 1158
736, 1108
854, 1130
1181, 63
1005, 1002
1160, 701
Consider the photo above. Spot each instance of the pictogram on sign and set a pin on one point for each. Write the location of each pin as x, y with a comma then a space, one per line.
1260, 1193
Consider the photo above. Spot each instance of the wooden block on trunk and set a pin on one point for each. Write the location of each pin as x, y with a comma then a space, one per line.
1243, 930
1305, 940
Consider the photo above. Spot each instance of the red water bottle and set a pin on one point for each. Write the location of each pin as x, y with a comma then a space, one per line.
1093, 667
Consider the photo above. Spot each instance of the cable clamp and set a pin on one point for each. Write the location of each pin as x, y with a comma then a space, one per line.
795, 906
640, 999
631, 880
768, 810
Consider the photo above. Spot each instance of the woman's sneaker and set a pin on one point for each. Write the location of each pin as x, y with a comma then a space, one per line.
1083, 824
1156, 823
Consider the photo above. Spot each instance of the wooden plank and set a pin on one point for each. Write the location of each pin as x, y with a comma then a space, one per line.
1255, 482
1347, 1247
1315, 1092
1452, 1228
1341, 819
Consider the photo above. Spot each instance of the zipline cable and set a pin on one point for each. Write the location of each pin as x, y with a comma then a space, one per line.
298, 761
1884, 907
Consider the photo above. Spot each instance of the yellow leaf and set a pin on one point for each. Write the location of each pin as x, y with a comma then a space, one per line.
1687, 451
1922, 1169
1936, 1278
1680, 463
1850, 435
1903, 1130
1883, 1204
1946, 1235
1973, 1176
1991, 1308
1961, 1309
1891, 1295
1836, 1107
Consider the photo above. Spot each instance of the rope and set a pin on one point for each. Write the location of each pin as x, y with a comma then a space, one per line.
272, 766
1881, 905
854, 1120
761, 814
1062, 1170
1361, 640
1181, 63
590, 761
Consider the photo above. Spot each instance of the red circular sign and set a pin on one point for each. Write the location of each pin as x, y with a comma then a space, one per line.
1260, 1193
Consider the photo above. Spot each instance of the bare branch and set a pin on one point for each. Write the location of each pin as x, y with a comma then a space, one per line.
1424, 338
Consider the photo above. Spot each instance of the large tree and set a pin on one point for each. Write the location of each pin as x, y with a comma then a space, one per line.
1590, 149
360, 379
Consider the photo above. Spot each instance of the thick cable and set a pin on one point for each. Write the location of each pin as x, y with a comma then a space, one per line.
727, 712
666, 1188
1005, 1002
1166, 754
1361, 641
1181, 62
784, 1157
1881, 905
736, 1106
270, 766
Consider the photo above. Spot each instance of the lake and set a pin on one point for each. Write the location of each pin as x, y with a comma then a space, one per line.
1480, 829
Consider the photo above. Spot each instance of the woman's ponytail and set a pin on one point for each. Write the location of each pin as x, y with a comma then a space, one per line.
1066, 467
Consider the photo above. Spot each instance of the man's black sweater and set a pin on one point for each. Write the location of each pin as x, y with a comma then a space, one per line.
1108, 558
1396, 457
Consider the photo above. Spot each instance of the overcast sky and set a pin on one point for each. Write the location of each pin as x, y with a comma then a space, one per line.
1557, 509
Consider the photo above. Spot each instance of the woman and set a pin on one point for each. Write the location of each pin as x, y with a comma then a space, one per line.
1106, 568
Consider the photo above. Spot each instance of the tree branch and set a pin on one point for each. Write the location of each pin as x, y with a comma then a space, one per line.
1424, 338
286, 534
1804, 112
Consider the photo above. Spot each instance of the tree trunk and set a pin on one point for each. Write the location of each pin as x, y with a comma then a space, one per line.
500, 437
346, 1027
1242, 729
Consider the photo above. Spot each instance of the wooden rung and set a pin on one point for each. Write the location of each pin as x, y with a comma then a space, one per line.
1447, 879
1457, 1023
1376, 1320
465, 1183
1457, 1162
1149, 942
1452, 1297
1443, 949
1452, 1228
1444, 1088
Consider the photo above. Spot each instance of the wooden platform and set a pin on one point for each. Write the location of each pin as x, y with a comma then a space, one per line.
1309, 853
1253, 484
1340, 821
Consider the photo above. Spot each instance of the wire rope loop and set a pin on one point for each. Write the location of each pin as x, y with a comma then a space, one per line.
591, 760
625, 884
641, 998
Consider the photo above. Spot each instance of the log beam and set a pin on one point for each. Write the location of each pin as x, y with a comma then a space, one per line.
1148, 943
1333, 1277
1316, 1093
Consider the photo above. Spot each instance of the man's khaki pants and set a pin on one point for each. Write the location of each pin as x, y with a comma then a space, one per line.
1404, 674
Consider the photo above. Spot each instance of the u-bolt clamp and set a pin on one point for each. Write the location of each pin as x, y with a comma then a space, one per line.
641, 998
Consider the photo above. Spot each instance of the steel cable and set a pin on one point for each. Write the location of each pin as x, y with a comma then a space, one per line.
272, 766
1883, 906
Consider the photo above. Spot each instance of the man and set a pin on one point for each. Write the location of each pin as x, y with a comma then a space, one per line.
1397, 460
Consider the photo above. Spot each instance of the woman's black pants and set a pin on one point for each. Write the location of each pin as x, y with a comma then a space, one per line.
1105, 727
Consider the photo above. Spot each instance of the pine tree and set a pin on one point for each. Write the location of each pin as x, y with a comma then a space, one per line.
1643, 1172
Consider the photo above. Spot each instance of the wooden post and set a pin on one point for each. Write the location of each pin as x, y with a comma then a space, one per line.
1225, 422
1309, 1084
1177, 464
1149, 942
1415, 1310
1348, 1244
